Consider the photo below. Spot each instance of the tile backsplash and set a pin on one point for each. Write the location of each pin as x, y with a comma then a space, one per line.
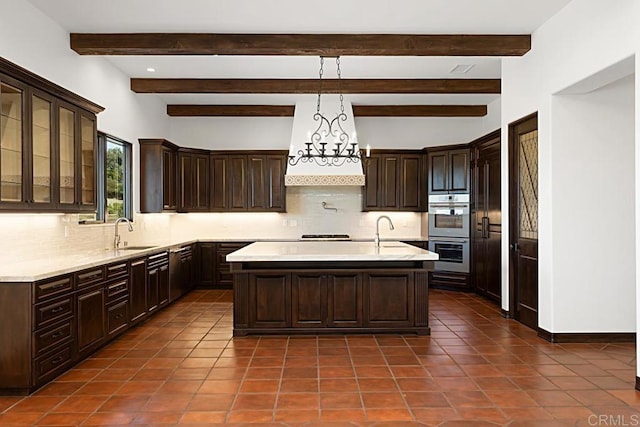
36, 236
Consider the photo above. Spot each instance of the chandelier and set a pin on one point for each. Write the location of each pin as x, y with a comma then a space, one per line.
344, 149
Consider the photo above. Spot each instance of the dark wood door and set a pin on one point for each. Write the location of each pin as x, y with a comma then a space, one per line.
438, 163
269, 304
487, 217
344, 297
138, 290
523, 226
410, 182
187, 271
237, 182
389, 299
371, 193
90, 319
219, 197
308, 300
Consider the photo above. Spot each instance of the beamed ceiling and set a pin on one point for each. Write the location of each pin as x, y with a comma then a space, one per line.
247, 58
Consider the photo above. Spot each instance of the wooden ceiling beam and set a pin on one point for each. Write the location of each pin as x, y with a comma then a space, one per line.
230, 110
305, 86
175, 110
419, 110
301, 44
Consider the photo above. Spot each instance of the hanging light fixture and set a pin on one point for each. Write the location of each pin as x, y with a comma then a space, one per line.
344, 149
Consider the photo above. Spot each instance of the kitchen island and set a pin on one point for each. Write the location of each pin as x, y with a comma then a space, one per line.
330, 287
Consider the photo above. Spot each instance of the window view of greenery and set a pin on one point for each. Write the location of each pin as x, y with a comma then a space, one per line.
115, 170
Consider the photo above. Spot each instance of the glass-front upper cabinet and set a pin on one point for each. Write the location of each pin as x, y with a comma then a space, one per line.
67, 155
11, 143
42, 150
88, 138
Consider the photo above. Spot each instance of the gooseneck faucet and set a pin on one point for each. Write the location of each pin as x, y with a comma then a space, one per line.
116, 237
376, 239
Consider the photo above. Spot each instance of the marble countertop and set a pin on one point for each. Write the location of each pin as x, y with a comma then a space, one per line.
330, 251
68, 261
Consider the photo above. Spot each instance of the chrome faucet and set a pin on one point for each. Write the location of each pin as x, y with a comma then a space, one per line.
116, 237
376, 239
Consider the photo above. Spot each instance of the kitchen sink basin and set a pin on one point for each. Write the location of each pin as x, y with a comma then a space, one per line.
134, 248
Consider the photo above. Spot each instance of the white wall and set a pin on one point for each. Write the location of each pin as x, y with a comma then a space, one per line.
593, 189
33, 41
585, 37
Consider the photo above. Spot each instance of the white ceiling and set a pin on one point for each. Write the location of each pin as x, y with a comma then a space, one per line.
298, 16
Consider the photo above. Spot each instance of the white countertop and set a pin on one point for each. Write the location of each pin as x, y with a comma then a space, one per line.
330, 251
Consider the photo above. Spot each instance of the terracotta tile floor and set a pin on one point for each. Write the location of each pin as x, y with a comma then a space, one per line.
183, 367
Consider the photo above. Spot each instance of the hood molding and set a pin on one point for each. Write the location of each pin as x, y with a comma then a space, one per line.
324, 180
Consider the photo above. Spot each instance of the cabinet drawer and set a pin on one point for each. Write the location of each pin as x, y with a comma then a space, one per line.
117, 270
48, 313
157, 260
48, 367
90, 277
46, 339
117, 316
117, 290
51, 288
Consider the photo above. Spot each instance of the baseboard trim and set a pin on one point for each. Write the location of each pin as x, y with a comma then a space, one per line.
505, 313
587, 337
638, 383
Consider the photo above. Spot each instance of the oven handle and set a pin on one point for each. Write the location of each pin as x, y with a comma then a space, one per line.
448, 205
448, 240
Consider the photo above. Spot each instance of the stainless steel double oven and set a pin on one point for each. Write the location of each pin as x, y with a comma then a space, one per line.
449, 231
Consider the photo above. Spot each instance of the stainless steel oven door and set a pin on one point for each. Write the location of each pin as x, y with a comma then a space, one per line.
454, 254
449, 215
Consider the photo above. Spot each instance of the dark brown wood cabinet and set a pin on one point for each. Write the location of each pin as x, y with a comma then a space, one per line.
393, 181
193, 180
213, 270
266, 183
157, 281
388, 300
158, 175
269, 300
486, 217
138, 290
48, 155
90, 319
449, 170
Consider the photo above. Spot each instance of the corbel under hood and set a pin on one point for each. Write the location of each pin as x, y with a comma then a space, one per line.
307, 174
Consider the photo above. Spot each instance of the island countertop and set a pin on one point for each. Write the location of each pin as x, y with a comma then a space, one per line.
330, 251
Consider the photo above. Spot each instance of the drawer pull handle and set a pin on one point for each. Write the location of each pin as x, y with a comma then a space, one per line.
117, 316
57, 335
57, 360
57, 310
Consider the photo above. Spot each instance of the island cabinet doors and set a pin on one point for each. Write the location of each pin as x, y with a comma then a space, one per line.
389, 299
326, 300
269, 300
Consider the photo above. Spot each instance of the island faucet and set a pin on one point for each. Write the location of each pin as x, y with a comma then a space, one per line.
376, 239
116, 237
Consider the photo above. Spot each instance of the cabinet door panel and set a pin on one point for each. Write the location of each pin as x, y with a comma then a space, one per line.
308, 298
138, 290
153, 289
371, 199
169, 163
12, 138
276, 193
410, 182
42, 150
390, 185
269, 301
459, 171
163, 285
185, 183
218, 184
389, 299
237, 175
344, 300
206, 264
88, 162
257, 186
90, 324
201, 183
67, 156
438, 182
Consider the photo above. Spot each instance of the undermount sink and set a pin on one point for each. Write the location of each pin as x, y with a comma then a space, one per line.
134, 248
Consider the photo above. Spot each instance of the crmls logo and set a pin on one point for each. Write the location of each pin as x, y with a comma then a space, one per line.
614, 420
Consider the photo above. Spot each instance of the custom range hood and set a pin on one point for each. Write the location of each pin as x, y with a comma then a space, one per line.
313, 171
